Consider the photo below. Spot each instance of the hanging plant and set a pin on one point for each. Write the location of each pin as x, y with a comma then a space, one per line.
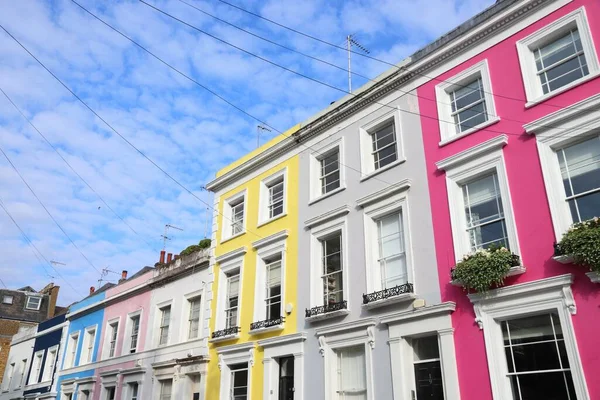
582, 243
484, 269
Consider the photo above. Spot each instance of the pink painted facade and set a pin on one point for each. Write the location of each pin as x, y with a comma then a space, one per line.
120, 310
532, 213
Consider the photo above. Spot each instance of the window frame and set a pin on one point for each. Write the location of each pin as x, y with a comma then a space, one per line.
50, 366
520, 300
128, 334
8, 299
265, 197
23, 383
71, 350
161, 386
443, 92
115, 322
466, 166
87, 350
29, 297
161, 313
231, 355
366, 132
229, 263
188, 324
525, 46
36, 365
315, 159
227, 217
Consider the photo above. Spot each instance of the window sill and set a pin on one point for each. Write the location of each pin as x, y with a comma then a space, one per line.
326, 195
594, 277
513, 271
332, 314
564, 259
563, 89
383, 169
461, 135
273, 328
389, 301
268, 221
227, 239
224, 338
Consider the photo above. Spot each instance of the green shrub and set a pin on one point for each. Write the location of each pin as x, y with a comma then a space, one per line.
484, 269
203, 244
582, 242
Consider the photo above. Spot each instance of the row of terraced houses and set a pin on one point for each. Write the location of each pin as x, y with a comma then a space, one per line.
330, 271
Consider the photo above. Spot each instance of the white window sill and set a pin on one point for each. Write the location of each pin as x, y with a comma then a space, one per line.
382, 169
563, 89
233, 237
566, 259
273, 328
332, 314
461, 135
594, 277
389, 301
224, 338
513, 271
326, 195
275, 218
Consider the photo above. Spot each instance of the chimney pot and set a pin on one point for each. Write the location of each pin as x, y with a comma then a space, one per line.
92, 289
169, 257
124, 275
162, 257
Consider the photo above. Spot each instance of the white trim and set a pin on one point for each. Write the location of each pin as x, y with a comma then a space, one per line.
556, 131
48, 372
345, 326
553, 30
86, 345
472, 153
448, 128
329, 215
276, 237
520, 300
594, 276
263, 200
33, 296
126, 345
231, 355
237, 253
381, 170
227, 216
384, 193
107, 336
315, 157
275, 348
229, 264
276, 245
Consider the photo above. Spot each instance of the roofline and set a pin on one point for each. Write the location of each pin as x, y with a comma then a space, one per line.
440, 50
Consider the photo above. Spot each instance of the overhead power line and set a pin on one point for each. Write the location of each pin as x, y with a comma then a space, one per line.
74, 171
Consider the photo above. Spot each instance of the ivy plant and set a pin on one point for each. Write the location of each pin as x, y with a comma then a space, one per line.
485, 268
582, 243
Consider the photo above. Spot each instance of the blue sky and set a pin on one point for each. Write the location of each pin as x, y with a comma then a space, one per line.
183, 128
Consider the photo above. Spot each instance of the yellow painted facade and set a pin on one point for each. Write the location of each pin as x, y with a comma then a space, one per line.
253, 233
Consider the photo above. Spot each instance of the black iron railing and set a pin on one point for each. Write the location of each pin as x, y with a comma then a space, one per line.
387, 293
318, 310
226, 332
267, 323
558, 251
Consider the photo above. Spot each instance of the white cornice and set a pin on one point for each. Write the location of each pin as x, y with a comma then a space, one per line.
474, 152
346, 326
388, 191
331, 214
279, 340
551, 121
424, 312
235, 348
526, 288
231, 255
276, 237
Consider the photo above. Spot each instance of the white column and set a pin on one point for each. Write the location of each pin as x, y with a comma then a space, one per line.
397, 367
268, 379
299, 376
448, 361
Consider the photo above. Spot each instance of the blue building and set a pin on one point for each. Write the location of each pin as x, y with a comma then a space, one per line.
75, 380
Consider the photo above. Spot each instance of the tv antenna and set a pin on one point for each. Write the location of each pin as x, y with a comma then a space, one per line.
260, 128
104, 273
54, 263
350, 41
165, 237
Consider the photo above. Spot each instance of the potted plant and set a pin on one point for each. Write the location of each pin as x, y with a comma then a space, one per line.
582, 244
485, 268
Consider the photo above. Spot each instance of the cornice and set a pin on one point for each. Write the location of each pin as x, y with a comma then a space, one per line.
230, 255
346, 326
550, 121
474, 152
279, 340
388, 191
276, 237
329, 215
400, 317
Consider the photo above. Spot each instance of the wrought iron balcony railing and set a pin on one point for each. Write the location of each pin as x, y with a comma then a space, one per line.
387, 293
226, 332
318, 310
267, 323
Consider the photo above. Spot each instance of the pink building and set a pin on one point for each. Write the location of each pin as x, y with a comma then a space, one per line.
510, 110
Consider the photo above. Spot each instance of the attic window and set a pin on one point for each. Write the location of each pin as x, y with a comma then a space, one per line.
7, 300
33, 303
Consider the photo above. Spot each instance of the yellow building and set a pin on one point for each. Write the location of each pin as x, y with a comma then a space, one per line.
254, 348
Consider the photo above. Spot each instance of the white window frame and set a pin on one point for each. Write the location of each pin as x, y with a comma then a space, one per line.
126, 345
87, 351
71, 350
49, 366
366, 143
521, 300
29, 297
229, 263
188, 304
391, 200
9, 376
275, 348
227, 217
108, 338
533, 87
468, 165
264, 197
443, 93
159, 316
7, 299
344, 335
160, 387
403, 326
234, 355
315, 158
556, 131
267, 248
320, 228
23, 372
36, 364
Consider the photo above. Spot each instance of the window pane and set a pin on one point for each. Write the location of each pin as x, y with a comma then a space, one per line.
470, 117
425, 348
547, 386
385, 156
559, 49
352, 380
467, 95
392, 258
383, 136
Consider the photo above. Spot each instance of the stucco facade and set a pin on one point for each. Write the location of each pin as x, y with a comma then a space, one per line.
18, 364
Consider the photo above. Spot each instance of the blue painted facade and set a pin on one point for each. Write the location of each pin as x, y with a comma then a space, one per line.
49, 335
79, 323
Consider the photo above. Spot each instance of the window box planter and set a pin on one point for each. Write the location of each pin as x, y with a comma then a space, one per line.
382, 298
580, 245
266, 325
330, 310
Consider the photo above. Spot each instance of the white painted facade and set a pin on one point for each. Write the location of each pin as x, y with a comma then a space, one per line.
17, 365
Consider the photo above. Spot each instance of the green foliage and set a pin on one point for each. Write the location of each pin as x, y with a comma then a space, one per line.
484, 269
203, 244
582, 242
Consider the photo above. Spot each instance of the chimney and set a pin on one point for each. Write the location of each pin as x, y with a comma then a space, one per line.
92, 290
162, 257
123, 276
176, 256
53, 292
169, 257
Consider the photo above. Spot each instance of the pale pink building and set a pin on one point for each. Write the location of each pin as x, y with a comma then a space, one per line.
510, 111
